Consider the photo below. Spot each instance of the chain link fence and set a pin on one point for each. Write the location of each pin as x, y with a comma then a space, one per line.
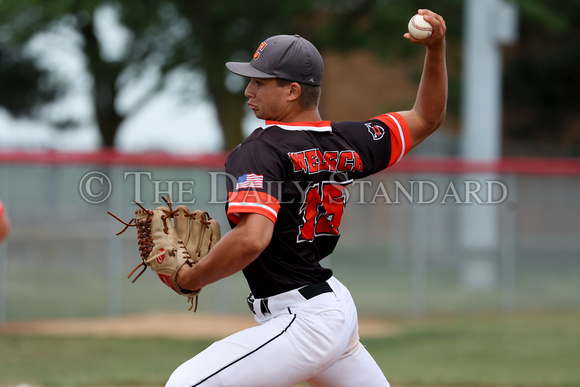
415, 240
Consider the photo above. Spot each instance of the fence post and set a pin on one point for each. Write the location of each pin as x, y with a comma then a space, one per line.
419, 253
508, 249
114, 248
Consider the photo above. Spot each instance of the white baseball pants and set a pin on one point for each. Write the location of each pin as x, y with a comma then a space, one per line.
297, 340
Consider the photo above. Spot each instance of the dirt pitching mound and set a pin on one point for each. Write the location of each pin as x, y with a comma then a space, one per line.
184, 325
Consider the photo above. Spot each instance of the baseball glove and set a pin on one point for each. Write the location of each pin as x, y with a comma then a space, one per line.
170, 238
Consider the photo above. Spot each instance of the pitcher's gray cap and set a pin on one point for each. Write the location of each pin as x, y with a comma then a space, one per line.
289, 57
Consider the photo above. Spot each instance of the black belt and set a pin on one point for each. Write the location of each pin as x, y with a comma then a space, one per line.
308, 292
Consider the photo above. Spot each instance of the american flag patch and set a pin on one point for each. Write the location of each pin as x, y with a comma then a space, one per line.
250, 180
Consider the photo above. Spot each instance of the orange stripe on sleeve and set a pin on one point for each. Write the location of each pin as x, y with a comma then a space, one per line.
400, 136
254, 202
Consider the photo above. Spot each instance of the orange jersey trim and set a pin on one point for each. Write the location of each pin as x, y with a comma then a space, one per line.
253, 202
400, 136
1, 208
312, 126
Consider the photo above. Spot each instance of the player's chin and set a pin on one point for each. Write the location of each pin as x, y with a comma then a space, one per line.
257, 112
259, 115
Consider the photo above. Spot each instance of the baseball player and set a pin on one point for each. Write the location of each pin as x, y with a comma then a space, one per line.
4, 222
285, 204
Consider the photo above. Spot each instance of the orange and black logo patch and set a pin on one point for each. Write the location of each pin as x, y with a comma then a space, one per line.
259, 50
377, 131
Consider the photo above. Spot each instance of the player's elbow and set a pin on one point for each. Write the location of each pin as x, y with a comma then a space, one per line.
424, 127
436, 123
441, 119
433, 119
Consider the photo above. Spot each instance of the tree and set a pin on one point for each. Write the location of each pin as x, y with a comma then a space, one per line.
24, 85
168, 35
151, 36
225, 30
542, 81
162, 37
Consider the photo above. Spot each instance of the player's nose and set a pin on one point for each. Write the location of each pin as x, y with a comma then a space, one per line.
249, 91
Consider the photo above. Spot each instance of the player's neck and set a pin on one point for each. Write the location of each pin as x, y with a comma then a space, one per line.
304, 115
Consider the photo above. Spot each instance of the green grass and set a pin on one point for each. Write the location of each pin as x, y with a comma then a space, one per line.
494, 351
522, 350
85, 361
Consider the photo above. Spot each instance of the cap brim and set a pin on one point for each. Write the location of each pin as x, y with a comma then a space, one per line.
247, 70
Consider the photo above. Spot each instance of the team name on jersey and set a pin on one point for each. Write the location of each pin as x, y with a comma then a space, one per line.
314, 161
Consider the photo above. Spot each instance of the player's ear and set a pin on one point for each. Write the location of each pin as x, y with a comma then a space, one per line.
294, 91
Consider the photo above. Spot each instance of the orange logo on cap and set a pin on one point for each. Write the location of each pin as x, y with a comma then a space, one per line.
260, 48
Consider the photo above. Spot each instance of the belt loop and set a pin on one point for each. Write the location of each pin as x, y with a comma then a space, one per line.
264, 306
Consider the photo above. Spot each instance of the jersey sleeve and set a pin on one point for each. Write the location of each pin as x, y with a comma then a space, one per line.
381, 141
254, 177
399, 135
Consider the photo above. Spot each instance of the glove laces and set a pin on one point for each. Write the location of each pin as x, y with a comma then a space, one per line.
145, 240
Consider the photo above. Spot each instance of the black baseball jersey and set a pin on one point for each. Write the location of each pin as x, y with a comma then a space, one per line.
295, 174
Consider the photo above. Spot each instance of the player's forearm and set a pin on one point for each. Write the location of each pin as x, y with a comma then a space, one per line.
431, 102
226, 258
236, 250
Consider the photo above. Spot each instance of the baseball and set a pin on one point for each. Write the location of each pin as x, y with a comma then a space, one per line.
419, 28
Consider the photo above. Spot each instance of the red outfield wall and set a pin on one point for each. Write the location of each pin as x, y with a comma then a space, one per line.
447, 165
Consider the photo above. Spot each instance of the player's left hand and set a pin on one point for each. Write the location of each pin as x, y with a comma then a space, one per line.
169, 239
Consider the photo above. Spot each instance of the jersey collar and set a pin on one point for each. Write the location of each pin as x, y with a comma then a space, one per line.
312, 126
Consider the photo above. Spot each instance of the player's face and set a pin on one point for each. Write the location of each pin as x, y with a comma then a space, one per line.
267, 100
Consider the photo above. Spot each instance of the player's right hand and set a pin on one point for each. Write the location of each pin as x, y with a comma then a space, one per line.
437, 38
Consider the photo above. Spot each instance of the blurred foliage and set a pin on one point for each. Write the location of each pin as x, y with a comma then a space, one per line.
23, 84
150, 34
159, 38
542, 80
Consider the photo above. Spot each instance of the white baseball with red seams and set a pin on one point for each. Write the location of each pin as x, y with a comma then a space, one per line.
419, 28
